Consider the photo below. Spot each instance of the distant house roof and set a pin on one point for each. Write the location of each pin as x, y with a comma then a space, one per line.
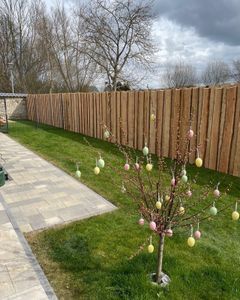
11, 95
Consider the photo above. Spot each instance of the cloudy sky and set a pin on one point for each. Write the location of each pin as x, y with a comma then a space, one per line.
196, 31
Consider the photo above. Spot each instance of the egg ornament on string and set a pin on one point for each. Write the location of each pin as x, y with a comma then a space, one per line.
184, 179
235, 213
96, 170
190, 133
167, 198
78, 172
106, 134
126, 166
149, 167
141, 221
152, 225
137, 166
158, 204
198, 161
183, 172
213, 210
145, 150
153, 117
169, 232
191, 240
101, 163
197, 234
181, 211
216, 192
150, 246
173, 181
123, 189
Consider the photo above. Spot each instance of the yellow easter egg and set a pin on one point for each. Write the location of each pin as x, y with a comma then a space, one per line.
181, 210
198, 162
191, 241
150, 248
152, 117
158, 205
96, 170
235, 215
149, 167
167, 197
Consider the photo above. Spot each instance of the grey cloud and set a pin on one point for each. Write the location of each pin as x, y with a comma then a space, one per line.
218, 20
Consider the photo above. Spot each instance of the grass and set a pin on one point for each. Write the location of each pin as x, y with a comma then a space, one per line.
90, 259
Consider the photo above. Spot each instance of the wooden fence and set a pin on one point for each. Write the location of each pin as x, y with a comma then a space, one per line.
216, 119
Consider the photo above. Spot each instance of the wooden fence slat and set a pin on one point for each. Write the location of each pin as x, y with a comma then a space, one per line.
227, 130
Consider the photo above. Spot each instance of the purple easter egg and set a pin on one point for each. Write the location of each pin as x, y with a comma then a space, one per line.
197, 234
152, 225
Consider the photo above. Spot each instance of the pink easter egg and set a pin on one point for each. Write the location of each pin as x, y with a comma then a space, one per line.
173, 182
216, 193
189, 193
137, 166
152, 225
169, 232
126, 167
141, 221
197, 234
190, 133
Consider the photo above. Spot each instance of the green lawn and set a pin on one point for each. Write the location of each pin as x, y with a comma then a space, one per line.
90, 259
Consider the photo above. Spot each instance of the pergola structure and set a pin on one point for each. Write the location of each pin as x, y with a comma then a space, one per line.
4, 116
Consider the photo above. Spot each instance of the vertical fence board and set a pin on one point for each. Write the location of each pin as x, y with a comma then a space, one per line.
227, 130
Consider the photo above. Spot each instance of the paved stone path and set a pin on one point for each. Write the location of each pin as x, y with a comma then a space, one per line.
38, 196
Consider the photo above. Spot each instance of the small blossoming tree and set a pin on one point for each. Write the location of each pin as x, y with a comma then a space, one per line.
166, 199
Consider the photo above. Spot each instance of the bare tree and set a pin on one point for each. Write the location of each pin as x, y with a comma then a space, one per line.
236, 70
117, 33
216, 73
178, 75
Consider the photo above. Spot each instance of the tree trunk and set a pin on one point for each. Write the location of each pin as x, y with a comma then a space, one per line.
160, 258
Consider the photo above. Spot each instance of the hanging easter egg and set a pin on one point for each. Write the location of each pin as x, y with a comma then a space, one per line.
101, 163
235, 215
96, 170
213, 211
190, 134
137, 166
123, 189
167, 197
150, 248
191, 241
145, 150
189, 193
106, 134
173, 182
184, 172
169, 232
216, 193
153, 117
78, 173
149, 167
197, 234
184, 179
198, 162
181, 210
152, 225
126, 167
158, 205
141, 221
